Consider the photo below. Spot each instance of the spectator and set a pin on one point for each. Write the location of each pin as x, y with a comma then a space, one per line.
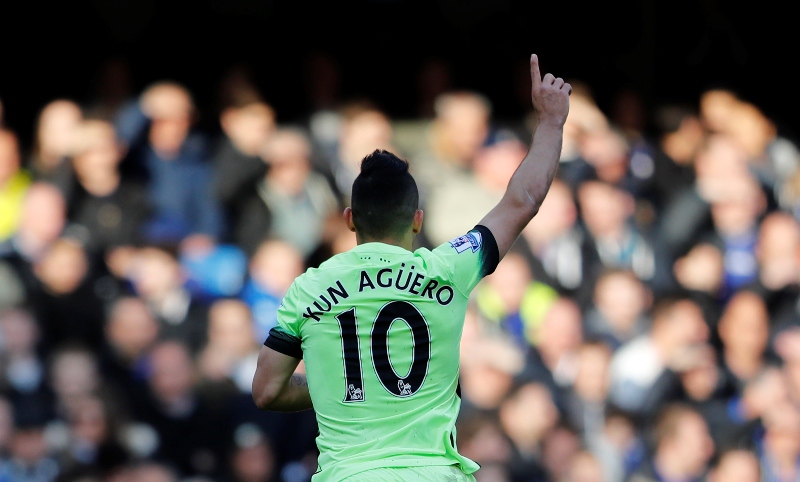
682, 447
229, 357
677, 326
292, 202
618, 312
528, 415
65, 299
488, 373
247, 121
700, 272
363, 128
778, 255
191, 434
450, 211
42, 221
93, 447
613, 240
165, 147
744, 332
252, 457
130, 331
584, 467
54, 130
736, 465
272, 269
14, 181
159, 279
6, 427
110, 210
585, 407
461, 126
555, 239
23, 374
553, 358
30, 459
513, 299
779, 448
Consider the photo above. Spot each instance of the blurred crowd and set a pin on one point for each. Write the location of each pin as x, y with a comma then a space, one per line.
644, 328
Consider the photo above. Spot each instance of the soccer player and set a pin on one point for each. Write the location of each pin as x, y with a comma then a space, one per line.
379, 326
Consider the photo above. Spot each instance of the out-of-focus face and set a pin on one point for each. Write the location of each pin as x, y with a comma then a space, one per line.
249, 127
622, 298
9, 156
604, 209
782, 438
465, 123
778, 250
29, 445
560, 331
694, 443
63, 267
173, 376
737, 211
97, 151
592, 378
530, 413
717, 107
131, 327
155, 273
289, 156
44, 213
256, 463
57, 123
607, 152
275, 265
744, 326
231, 327
584, 467
737, 466
494, 165
89, 422
19, 332
701, 269
75, 373
363, 134
687, 323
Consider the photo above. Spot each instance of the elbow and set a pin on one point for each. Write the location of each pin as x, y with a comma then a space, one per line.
264, 396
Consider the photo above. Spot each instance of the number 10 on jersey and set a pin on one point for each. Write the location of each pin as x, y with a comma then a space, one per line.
397, 385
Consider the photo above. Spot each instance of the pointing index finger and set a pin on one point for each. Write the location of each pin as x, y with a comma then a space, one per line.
536, 76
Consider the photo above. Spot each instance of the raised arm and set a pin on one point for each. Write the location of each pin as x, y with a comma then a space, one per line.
531, 181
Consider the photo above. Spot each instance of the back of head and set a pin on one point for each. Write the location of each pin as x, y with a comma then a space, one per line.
385, 197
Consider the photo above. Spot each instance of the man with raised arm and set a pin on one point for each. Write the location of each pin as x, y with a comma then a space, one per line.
379, 327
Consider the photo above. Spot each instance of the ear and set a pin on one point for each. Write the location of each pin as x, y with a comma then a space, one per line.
348, 219
416, 226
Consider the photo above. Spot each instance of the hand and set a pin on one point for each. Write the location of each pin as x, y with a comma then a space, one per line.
550, 95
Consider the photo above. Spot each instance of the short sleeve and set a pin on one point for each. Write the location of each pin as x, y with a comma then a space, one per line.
285, 336
469, 257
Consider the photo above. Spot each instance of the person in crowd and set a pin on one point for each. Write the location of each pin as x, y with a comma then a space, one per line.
291, 202
252, 457
167, 150
778, 256
700, 272
677, 326
48, 159
513, 299
247, 121
14, 182
736, 465
779, 445
618, 312
109, 209
30, 459
191, 433
271, 270
744, 330
682, 447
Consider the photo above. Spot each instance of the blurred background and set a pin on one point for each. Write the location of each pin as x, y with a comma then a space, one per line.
168, 168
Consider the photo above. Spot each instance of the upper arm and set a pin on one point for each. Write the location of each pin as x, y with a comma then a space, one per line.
506, 221
272, 372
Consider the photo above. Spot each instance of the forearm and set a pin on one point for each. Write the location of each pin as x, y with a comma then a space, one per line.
294, 396
532, 179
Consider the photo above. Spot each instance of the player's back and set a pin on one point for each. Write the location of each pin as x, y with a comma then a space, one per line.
380, 328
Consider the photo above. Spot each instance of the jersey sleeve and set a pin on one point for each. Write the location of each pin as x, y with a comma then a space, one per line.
469, 257
284, 337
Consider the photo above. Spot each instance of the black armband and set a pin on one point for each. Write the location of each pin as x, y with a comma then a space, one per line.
490, 254
284, 343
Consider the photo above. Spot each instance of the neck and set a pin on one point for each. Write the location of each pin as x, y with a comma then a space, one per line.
405, 242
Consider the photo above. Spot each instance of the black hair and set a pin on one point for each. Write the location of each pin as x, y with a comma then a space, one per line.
384, 197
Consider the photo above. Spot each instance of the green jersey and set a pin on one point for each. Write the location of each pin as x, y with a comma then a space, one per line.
379, 330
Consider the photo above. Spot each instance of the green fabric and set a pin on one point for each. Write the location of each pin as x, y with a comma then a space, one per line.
367, 426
